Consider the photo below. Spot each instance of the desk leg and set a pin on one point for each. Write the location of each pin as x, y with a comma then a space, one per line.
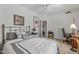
78, 46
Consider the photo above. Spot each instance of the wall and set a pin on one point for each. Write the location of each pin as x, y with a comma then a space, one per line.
59, 20
7, 12
55, 21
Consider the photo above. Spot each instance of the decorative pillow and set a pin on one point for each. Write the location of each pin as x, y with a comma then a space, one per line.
11, 35
19, 36
22, 35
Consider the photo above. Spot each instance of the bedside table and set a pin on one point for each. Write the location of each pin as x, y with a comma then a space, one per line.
50, 34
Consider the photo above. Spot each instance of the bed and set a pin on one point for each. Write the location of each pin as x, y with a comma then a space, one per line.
33, 45
26, 43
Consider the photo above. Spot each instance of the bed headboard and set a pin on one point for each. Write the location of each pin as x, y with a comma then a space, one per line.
19, 29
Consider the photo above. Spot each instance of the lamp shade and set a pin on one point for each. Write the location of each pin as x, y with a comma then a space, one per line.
73, 26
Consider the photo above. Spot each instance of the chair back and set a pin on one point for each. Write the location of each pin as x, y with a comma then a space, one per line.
64, 33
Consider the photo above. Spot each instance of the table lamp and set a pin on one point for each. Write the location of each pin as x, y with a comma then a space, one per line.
73, 27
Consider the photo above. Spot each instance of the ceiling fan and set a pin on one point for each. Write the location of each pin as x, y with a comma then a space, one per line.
50, 6
45, 6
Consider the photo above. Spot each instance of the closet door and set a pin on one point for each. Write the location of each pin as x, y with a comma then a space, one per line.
40, 28
43, 29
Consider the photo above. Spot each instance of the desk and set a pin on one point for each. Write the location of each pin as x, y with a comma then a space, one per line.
75, 42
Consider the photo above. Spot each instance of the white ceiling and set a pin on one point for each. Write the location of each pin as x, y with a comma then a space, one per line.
51, 8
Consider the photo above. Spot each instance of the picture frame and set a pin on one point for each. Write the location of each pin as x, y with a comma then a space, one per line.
35, 22
18, 20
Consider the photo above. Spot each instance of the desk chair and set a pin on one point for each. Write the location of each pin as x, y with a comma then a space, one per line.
66, 35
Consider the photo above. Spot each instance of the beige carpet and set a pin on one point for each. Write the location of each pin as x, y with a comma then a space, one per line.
65, 48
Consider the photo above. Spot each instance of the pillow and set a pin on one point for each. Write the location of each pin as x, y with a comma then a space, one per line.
25, 34
19, 36
28, 33
11, 35
22, 35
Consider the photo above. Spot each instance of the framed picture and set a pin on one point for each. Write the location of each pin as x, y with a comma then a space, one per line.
35, 21
18, 20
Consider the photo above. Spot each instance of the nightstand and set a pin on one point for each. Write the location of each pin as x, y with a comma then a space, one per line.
50, 35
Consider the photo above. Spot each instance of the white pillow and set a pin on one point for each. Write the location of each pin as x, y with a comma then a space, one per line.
21, 35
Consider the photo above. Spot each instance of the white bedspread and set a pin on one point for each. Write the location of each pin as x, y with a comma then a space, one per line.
35, 45
7, 49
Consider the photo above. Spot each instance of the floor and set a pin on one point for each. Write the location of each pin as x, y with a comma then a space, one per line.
65, 48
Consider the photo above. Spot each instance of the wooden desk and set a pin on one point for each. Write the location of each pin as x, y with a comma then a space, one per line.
78, 46
75, 42
75, 36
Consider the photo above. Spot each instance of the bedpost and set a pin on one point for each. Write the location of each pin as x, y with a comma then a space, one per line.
29, 30
3, 33
2, 37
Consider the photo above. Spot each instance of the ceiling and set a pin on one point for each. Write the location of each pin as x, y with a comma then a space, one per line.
47, 9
